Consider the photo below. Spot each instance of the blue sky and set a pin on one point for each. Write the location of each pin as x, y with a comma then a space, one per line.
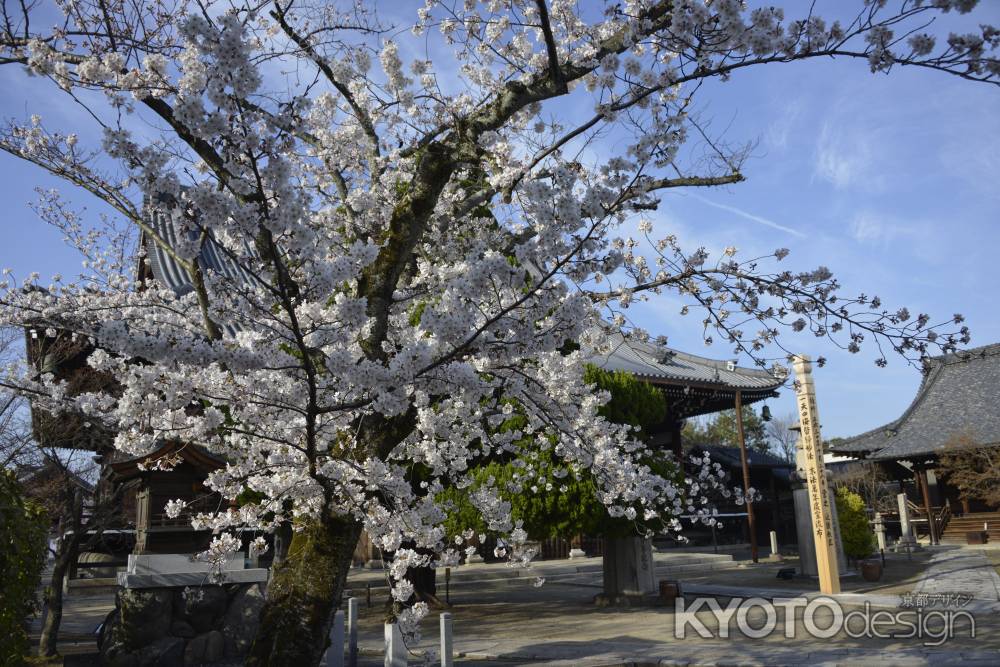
890, 181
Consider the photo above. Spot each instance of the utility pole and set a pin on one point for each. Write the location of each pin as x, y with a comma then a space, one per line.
751, 524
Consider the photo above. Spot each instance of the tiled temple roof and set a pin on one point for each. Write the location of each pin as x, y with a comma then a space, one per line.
959, 399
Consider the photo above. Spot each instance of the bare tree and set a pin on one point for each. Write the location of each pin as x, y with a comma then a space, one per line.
54, 457
973, 468
868, 480
15, 431
782, 437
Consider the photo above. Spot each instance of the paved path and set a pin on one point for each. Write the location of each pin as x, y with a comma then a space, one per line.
500, 619
513, 623
961, 570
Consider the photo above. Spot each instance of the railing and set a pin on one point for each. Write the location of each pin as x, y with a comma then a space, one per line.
940, 516
183, 520
941, 521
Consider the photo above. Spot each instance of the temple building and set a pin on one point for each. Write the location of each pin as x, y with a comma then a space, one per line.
957, 402
695, 386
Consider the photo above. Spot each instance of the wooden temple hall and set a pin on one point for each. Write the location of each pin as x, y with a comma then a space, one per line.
696, 386
693, 385
957, 405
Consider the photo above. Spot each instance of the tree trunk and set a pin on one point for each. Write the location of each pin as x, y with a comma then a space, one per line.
628, 567
66, 555
303, 593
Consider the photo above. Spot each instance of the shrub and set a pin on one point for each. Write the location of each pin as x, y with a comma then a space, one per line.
859, 540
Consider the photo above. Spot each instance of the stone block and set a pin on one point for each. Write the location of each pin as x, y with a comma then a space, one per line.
164, 652
242, 620
182, 629
177, 563
169, 580
200, 607
205, 648
145, 614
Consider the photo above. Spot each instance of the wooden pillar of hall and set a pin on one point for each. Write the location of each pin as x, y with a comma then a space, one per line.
921, 474
751, 524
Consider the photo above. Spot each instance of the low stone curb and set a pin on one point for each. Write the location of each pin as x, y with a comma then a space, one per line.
554, 572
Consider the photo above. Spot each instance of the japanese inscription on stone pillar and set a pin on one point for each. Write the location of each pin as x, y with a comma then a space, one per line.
819, 494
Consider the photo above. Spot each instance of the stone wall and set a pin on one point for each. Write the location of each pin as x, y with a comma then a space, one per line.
163, 627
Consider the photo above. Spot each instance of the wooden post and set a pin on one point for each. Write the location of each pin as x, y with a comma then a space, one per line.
921, 473
819, 494
751, 524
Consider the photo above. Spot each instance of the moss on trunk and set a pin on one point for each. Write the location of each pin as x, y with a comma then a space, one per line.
303, 593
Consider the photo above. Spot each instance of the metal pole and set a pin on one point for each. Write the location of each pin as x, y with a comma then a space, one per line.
751, 524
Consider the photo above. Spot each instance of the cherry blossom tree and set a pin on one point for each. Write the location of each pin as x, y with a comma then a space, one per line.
421, 241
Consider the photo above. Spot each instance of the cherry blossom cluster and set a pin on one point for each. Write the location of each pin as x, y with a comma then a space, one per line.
378, 261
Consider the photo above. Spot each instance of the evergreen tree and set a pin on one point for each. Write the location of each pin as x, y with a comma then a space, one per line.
551, 499
721, 429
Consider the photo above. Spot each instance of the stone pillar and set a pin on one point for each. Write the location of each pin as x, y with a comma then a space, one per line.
395, 648
804, 530
904, 516
352, 632
628, 567
335, 652
906, 540
880, 531
838, 542
447, 651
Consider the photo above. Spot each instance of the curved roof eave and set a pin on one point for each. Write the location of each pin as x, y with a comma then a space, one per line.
661, 365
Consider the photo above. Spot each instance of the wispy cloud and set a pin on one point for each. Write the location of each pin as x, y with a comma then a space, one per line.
749, 216
779, 131
844, 155
915, 238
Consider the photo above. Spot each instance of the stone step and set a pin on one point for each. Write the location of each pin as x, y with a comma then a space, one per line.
96, 586
972, 525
